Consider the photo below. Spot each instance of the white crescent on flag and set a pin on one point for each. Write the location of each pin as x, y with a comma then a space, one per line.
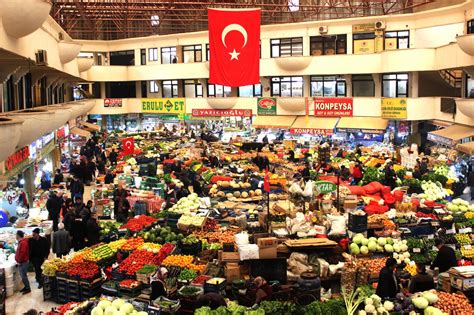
128, 144
234, 27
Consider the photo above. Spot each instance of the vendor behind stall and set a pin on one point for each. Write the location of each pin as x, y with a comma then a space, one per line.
387, 286
446, 257
157, 283
264, 290
421, 281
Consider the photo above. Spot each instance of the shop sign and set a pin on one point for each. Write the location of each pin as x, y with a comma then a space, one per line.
357, 130
62, 132
46, 150
364, 46
173, 106
311, 131
112, 102
16, 158
394, 108
222, 113
441, 140
333, 106
325, 187
363, 28
266, 106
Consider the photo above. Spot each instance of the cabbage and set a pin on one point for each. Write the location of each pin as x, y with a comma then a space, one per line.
388, 306
365, 241
382, 241
372, 246
372, 239
420, 302
388, 248
377, 299
126, 308
431, 310
354, 249
104, 304
396, 248
364, 250
110, 310
431, 297
362, 312
389, 240
381, 310
358, 239
404, 248
97, 311
118, 303
379, 249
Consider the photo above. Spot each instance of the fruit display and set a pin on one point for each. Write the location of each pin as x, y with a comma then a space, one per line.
191, 220
151, 247
132, 244
362, 245
108, 227
135, 261
186, 205
463, 239
117, 306
138, 223
129, 284
160, 235
165, 250
183, 261
411, 268
100, 253
84, 270
78, 257
467, 252
453, 303
187, 275
190, 240
51, 266
432, 191
459, 205
116, 245
148, 269
216, 237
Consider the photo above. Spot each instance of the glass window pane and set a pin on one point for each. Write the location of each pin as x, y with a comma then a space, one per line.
329, 88
246, 91
175, 90
165, 58
219, 91
275, 51
211, 90
297, 89
389, 76
402, 88
316, 89
363, 88
275, 88
227, 91
402, 76
403, 43
258, 90
189, 90
188, 56
389, 89
198, 56
341, 88
199, 90
167, 91
285, 89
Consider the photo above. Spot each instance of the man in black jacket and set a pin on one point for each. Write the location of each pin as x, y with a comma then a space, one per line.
92, 231
54, 204
421, 281
387, 286
446, 257
39, 251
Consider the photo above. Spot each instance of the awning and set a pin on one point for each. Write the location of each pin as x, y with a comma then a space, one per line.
89, 126
467, 148
80, 132
452, 134
441, 123
275, 122
313, 125
362, 124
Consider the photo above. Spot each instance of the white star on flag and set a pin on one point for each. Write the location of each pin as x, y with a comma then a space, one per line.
234, 55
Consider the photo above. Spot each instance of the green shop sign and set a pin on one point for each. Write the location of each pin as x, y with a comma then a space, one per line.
325, 187
267, 106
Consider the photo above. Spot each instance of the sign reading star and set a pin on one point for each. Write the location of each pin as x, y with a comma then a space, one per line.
234, 55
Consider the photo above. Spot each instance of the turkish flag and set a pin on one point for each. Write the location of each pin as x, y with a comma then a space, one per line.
128, 146
234, 44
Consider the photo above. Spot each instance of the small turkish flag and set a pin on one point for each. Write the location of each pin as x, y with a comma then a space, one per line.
128, 146
266, 181
234, 44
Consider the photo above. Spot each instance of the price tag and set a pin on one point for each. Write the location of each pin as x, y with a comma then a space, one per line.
416, 250
434, 248
465, 230
434, 223
431, 236
467, 246
450, 231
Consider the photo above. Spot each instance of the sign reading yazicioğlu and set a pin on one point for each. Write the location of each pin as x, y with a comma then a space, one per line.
266, 106
333, 106
112, 102
16, 158
173, 106
310, 131
394, 108
357, 130
222, 113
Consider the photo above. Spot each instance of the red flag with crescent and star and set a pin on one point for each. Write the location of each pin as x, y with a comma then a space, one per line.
128, 146
234, 47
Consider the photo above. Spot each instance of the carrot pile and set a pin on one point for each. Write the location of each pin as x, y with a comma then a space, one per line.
453, 303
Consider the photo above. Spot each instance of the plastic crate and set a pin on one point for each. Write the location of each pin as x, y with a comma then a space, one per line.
216, 288
357, 223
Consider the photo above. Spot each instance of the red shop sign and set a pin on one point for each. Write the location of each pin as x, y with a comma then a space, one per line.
112, 102
333, 106
222, 113
61, 133
311, 131
16, 158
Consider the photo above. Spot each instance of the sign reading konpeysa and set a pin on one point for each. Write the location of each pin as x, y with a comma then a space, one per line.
222, 113
16, 158
311, 131
333, 106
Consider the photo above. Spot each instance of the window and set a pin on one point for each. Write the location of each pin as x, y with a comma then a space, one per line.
154, 87
328, 45
168, 55
363, 85
470, 27
328, 85
250, 90
395, 85
143, 57
122, 58
215, 90
397, 40
469, 87
153, 54
287, 47
363, 43
287, 86
192, 88
170, 88
207, 52
192, 53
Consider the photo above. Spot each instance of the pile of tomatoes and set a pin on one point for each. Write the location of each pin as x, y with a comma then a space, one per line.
139, 223
85, 270
132, 244
136, 261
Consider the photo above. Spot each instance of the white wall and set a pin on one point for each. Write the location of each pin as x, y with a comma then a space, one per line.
437, 36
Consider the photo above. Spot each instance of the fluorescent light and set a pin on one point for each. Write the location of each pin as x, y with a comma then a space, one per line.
294, 5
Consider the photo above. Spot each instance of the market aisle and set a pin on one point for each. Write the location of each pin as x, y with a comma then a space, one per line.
18, 304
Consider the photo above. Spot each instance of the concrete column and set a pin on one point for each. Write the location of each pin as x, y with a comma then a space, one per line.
266, 86
29, 176
348, 78
56, 158
377, 84
265, 48
102, 90
306, 45
234, 92
138, 89
306, 86
413, 84
349, 44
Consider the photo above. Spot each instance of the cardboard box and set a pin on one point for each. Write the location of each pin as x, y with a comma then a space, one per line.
350, 203
461, 283
228, 256
232, 272
268, 253
266, 242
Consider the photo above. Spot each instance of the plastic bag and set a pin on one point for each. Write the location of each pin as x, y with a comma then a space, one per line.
308, 189
295, 189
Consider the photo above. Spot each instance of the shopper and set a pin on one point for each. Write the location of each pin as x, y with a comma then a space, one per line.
77, 225
45, 181
61, 241
39, 252
264, 290
357, 173
417, 172
446, 257
113, 157
387, 286
390, 176
53, 205
471, 183
421, 281
22, 256
77, 188
345, 173
121, 205
69, 216
92, 231
158, 284
109, 177
58, 177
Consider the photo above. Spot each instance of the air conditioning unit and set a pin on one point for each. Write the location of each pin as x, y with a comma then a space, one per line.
41, 57
60, 36
380, 25
323, 30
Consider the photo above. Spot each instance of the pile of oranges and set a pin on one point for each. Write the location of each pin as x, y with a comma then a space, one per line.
183, 261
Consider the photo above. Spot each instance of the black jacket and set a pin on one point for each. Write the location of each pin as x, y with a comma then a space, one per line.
445, 259
388, 285
109, 178
92, 232
421, 282
61, 242
39, 249
53, 205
